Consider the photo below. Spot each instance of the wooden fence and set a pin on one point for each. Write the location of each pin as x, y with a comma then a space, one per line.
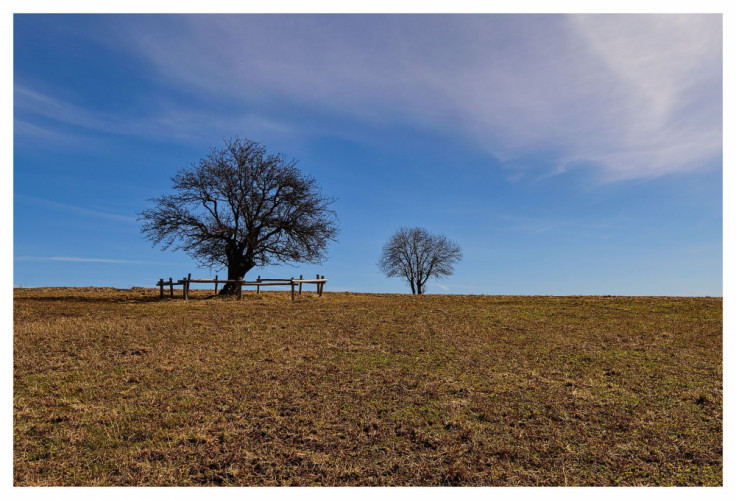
294, 283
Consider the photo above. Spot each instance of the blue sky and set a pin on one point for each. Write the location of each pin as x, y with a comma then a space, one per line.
565, 154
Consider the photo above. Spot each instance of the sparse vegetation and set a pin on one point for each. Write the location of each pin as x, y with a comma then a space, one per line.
118, 388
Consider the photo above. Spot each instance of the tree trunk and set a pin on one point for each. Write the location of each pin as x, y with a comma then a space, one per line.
235, 271
419, 287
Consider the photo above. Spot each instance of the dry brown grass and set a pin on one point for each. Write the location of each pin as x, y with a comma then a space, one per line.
118, 388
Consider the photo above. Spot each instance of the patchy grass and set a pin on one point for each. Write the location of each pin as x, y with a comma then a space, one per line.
115, 387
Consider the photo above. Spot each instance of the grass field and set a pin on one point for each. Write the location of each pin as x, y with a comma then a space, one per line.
117, 387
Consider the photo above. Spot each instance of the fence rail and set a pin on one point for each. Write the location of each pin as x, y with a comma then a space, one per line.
186, 282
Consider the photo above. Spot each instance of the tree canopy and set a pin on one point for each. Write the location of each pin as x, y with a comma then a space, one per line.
417, 255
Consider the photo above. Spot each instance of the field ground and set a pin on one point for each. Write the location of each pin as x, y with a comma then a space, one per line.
117, 387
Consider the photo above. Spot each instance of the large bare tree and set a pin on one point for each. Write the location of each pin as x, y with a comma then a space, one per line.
241, 207
417, 255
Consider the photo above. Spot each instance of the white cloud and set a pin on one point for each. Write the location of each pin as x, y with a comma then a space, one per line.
669, 67
637, 96
630, 96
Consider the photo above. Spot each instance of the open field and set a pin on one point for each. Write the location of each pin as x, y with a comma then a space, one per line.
116, 387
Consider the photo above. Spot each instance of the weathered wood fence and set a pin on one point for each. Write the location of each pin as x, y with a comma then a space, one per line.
294, 283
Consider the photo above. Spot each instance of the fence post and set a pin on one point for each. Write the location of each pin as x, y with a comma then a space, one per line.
171, 286
301, 277
215, 284
318, 292
258, 287
292, 289
321, 286
161, 287
240, 289
186, 286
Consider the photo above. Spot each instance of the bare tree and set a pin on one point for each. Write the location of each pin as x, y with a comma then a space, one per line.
241, 207
417, 255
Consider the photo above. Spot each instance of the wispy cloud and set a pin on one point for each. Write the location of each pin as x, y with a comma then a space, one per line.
36, 103
539, 224
626, 96
635, 96
40, 115
41, 134
87, 212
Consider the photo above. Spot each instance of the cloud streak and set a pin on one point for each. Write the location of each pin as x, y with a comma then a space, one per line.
75, 209
43, 117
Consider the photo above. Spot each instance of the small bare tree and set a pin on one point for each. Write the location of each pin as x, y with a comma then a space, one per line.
417, 255
241, 207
